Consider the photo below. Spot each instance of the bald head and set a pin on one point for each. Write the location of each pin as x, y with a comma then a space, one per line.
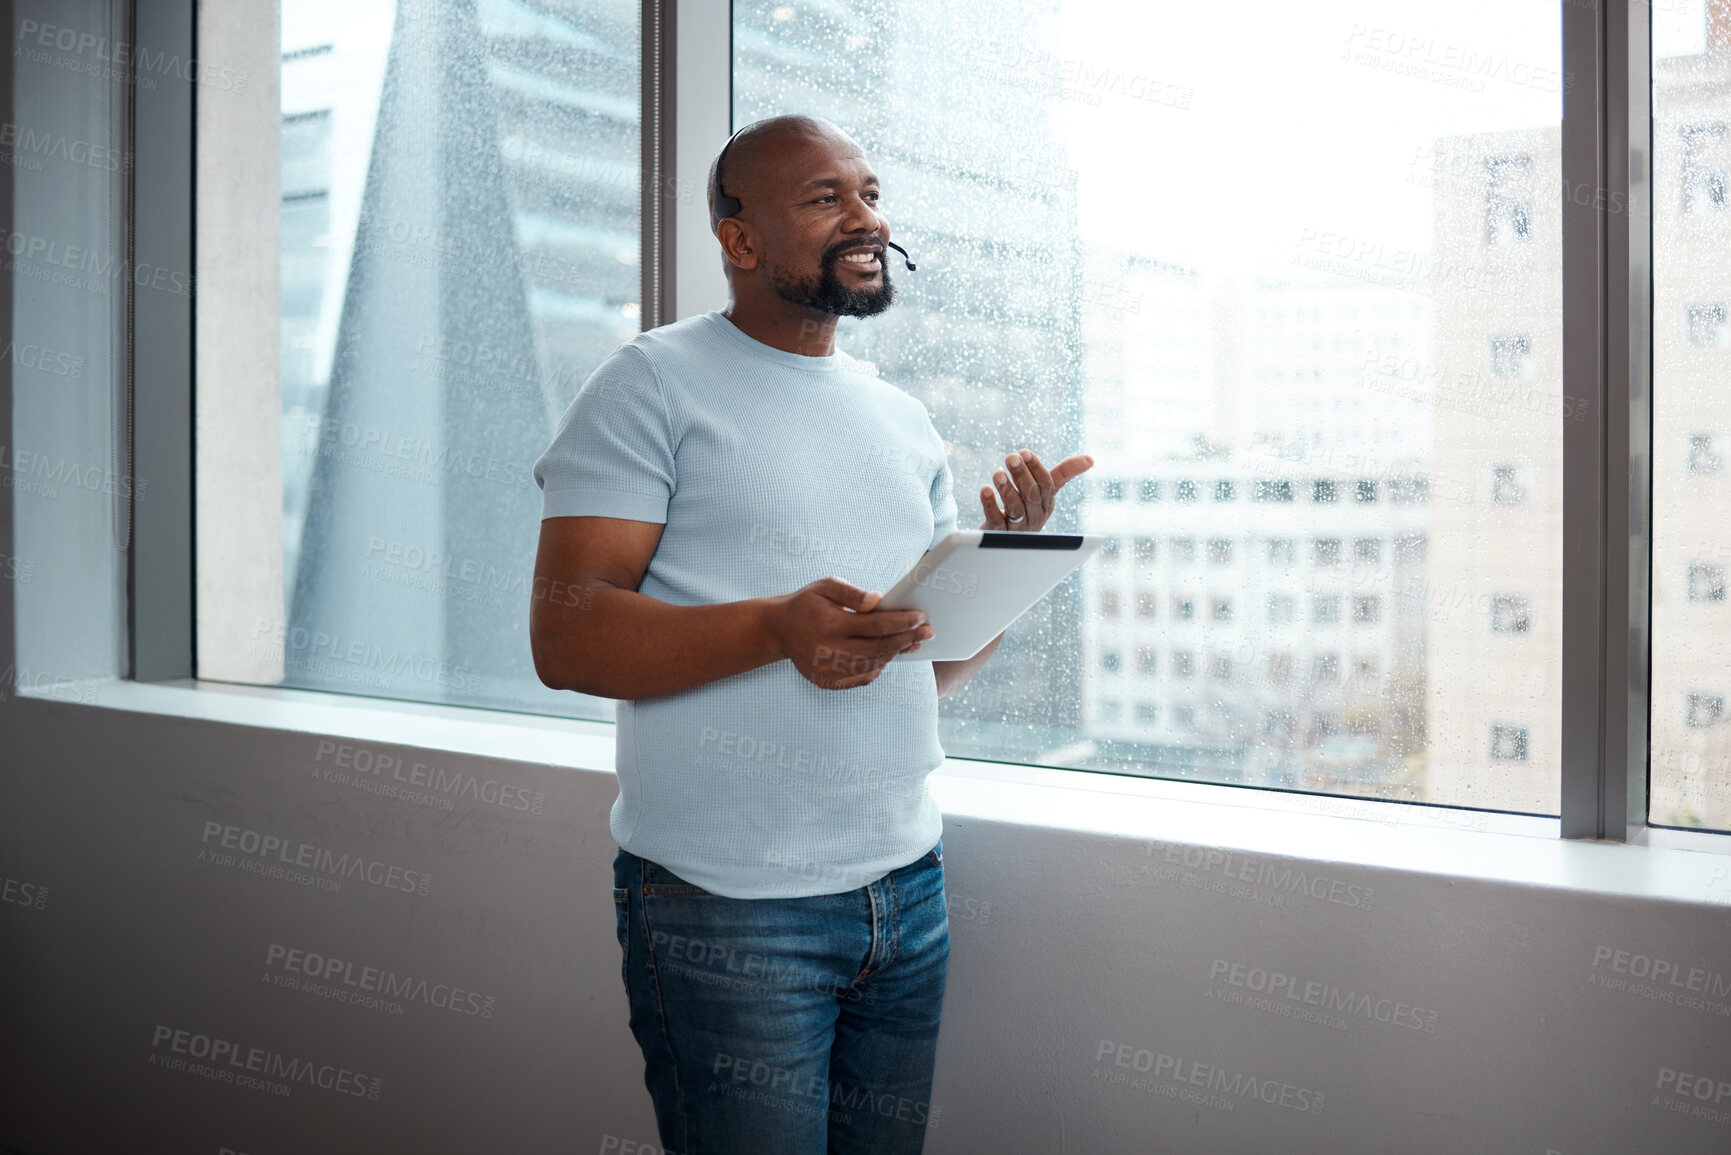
756, 160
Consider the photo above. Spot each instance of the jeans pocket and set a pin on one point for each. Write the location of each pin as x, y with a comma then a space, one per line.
622, 917
935, 856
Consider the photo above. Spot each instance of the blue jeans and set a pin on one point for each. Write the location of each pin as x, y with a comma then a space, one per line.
786, 1026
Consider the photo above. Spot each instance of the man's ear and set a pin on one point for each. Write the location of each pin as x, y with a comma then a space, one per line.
737, 243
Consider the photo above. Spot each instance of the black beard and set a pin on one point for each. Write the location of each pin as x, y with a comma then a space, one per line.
829, 295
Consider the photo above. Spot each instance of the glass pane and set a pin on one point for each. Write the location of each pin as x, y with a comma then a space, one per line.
459, 250
1690, 783
1299, 294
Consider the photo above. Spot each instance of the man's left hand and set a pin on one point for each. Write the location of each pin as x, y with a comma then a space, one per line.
1029, 492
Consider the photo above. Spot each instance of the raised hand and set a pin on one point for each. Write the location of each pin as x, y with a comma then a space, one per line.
1029, 492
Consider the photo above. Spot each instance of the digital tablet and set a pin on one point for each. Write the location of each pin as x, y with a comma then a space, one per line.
974, 583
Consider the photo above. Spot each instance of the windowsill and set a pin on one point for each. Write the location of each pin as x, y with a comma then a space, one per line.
1512, 849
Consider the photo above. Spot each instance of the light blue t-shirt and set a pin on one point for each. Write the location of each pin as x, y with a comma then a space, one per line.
770, 470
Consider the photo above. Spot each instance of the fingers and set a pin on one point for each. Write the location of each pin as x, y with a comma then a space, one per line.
1070, 467
1041, 478
881, 623
994, 516
1027, 486
848, 595
1015, 509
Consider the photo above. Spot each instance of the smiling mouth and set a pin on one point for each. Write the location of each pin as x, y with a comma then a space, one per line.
861, 260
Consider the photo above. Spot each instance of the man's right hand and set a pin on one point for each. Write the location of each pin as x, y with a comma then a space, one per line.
833, 637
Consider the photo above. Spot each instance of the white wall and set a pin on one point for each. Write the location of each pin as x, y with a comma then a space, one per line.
1066, 944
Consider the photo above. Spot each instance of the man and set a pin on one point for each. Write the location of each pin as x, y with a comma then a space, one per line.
720, 503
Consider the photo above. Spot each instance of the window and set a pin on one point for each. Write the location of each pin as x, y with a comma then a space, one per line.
1111, 709
1110, 660
1184, 491
1183, 664
1144, 549
1148, 491
1279, 669
1409, 490
1507, 485
1183, 609
1706, 325
1703, 184
1704, 710
1109, 603
1219, 550
1366, 609
1147, 713
1224, 491
1220, 668
1282, 551
1114, 490
1508, 199
1322, 492
1220, 609
1326, 669
1326, 551
1325, 609
1706, 582
1409, 548
1706, 453
1509, 614
1367, 549
1280, 609
1146, 661
1364, 491
1271, 491
1144, 604
1109, 550
1511, 356
1508, 743
1183, 550
1184, 717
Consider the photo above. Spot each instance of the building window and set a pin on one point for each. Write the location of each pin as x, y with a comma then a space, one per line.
1364, 491
1183, 663
1224, 490
1507, 487
1271, 491
1325, 609
1114, 490
1185, 717
1508, 743
1109, 603
1322, 492
1184, 491
1508, 199
1183, 550
1183, 609
1109, 549
1220, 668
1704, 710
1279, 669
1409, 547
1364, 673
1367, 549
1326, 668
1703, 168
1282, 551
1146, 663
1706, 582
1409, 490
1146, 713
1111, 710
1511, 356
1280, 609
1706, 325
1326, 551
1220, 550
1221, 609
1366, 609
1144, 604
1110, 661
1510, 614
1148, 491
1706, 452
1144, 549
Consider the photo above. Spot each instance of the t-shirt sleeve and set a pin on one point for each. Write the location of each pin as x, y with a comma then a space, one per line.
943, 497
612, 454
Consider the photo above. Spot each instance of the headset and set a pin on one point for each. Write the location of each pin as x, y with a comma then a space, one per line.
726, 206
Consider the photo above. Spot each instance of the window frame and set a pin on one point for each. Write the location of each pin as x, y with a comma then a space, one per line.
688, 47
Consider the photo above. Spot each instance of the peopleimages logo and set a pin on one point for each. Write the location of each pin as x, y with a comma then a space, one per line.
345, 981
1333, 1004
303, 862
1193, 1081
257, 1068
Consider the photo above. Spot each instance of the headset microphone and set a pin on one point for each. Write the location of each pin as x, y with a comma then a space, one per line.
911, 266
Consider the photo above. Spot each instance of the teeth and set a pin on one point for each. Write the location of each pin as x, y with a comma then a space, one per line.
861, 258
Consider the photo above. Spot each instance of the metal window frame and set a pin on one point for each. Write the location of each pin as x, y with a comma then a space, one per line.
687, 113
1607, 455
